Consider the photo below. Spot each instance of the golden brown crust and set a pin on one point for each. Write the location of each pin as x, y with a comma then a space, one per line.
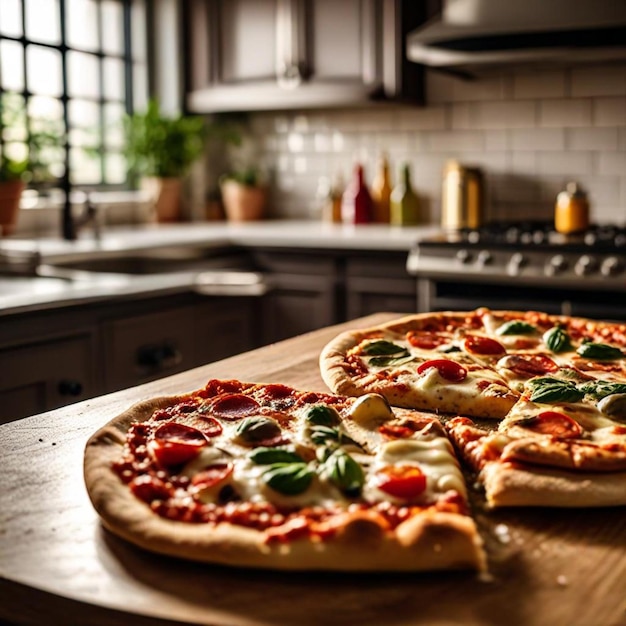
509, 485
430, 541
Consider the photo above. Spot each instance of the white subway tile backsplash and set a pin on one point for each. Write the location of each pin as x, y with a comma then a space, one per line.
503, 115
496, 140
446, 88
537, 139
598, 81
523, 164
611, 164
564, 113
430, 118
585, 139
539, 85
564, 163
609, 112
456, 142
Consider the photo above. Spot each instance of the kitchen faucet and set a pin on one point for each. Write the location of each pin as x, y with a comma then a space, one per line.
88, 216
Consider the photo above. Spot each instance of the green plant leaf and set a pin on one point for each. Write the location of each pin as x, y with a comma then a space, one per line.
380, 347
322, 415
344, 472
270, 456
516, 327
599, 352
599, 389
549, 390
557, 340
289, 478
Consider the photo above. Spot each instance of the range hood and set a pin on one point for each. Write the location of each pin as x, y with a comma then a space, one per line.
467, 36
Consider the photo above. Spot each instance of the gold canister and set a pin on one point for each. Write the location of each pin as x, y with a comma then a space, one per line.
462, 198
571, 212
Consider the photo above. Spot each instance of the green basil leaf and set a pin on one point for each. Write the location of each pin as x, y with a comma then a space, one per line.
557, 340
385, 361
322, 435
599, 389
344, 472
516, 327
322, 415
254, 429
382, 347
549, 390
289, 478
600, 351
269, 456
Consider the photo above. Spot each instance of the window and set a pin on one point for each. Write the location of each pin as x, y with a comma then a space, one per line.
76, 66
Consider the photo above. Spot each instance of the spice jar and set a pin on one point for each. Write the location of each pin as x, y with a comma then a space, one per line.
571, 213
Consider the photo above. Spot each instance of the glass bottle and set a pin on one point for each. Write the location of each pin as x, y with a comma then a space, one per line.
404, 201
356, 202
381, 192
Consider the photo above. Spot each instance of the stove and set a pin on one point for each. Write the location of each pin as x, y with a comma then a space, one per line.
523, 264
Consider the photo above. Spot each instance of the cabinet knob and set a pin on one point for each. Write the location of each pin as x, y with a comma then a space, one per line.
70, 388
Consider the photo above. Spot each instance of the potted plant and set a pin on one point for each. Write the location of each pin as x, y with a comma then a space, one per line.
30, 166
244, 194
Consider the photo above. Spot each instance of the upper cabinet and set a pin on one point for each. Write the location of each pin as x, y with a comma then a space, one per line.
246, 55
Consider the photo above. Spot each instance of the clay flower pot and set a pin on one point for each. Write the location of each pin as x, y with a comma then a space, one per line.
165, 193
243, 203
10, 196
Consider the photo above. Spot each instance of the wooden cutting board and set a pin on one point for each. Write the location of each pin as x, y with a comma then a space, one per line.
59, 566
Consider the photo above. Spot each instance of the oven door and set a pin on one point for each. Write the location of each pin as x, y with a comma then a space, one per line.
444, 295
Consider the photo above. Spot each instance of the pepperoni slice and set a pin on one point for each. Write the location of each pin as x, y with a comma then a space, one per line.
450, 370
212, 475
234, 406
555, 424
529, 364
401, 481
425, 340
149, 488
174, 444
206, 424
476, 344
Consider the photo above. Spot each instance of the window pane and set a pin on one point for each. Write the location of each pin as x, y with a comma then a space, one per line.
11, 66
16, 151
84, 114
44, 71
42, 21
138, 32
114, 124
113, 79
140, 87
13, 117
115, 169
42, 107
85, 137
83, 75
82, 24
84, 167
11, 18
112, 27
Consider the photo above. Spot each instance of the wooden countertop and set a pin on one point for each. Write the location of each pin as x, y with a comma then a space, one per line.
58, 565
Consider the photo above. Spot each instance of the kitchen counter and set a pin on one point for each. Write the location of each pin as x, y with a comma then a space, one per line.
59, 566
21, 294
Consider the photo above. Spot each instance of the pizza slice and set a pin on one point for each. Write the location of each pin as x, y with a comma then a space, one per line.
263, 475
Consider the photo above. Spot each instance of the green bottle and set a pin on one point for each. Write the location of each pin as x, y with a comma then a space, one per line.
405, 205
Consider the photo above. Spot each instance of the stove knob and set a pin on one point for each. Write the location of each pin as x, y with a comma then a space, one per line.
556, 264
611, 266
517, 261
484, 257
464, 256
585, 265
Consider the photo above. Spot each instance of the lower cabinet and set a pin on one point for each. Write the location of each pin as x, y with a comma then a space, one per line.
46, 375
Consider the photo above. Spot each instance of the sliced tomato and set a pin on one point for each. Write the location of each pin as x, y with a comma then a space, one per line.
555, 424
450, 370
401, 481
234, 406
477, 344
212, 475
426, 340
174, 444
529, 364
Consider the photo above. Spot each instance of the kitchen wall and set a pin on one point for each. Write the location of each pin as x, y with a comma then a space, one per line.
531, 132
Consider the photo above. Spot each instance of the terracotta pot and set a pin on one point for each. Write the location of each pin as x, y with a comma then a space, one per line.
165, 193
10, 196
243, 203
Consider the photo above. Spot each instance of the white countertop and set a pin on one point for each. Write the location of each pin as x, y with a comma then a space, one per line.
22, 294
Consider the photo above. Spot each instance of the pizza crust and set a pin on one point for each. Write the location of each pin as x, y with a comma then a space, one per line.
509, 485
434, 540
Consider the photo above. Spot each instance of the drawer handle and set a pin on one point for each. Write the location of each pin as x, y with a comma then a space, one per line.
159, 356
70, 388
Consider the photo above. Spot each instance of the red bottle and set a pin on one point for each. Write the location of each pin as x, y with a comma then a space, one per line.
356, 204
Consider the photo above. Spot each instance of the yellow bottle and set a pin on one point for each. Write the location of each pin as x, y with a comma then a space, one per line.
571, 213
405, 207
381, 193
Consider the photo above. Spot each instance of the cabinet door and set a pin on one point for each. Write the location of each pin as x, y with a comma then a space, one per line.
46, 375
225, 327
142, 348
380, 284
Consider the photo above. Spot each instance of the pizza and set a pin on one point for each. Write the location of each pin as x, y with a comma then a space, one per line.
535, 403
267, 476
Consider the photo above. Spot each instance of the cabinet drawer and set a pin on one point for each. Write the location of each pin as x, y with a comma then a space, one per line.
146, 347
46, 375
